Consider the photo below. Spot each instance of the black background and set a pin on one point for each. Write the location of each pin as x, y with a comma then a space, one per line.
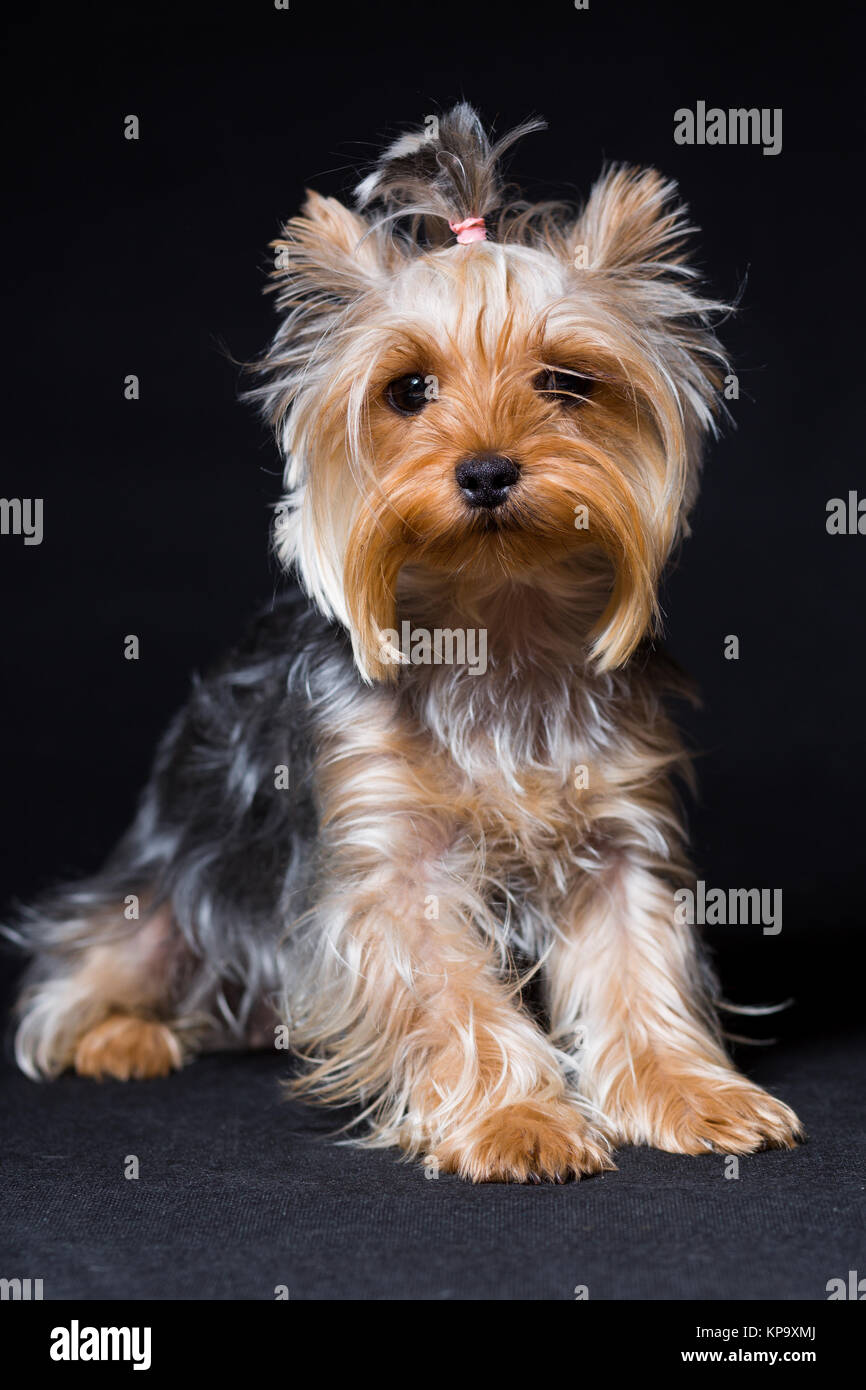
150, 258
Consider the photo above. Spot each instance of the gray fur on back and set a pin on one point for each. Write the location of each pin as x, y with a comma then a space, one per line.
214, 835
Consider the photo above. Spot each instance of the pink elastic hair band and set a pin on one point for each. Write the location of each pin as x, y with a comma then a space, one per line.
470, 229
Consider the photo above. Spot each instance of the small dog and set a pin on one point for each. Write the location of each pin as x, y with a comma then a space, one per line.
355, 837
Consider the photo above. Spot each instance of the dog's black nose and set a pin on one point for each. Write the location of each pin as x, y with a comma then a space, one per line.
485, 481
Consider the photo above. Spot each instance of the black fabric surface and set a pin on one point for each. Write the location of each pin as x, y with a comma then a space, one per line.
241, 1191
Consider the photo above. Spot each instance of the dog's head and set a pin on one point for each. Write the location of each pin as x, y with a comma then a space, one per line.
496, 392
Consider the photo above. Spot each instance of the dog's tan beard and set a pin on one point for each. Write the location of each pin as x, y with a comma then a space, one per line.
529, 536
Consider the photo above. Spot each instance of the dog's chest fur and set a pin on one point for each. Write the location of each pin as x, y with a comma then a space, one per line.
518, 777
514, 760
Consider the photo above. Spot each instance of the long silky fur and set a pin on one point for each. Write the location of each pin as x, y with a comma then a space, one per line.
433, 832
433, 179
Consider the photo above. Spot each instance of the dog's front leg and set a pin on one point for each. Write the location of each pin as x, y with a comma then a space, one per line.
405, 1008
627, 989
410, 1015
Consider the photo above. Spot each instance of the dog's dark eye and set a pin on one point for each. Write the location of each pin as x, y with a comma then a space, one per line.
572, 388
408, 394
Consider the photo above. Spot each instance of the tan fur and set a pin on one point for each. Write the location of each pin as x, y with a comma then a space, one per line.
128, 974
418, 1015
527, 1141
125, 1046
652, 1059
455, 836
412, 513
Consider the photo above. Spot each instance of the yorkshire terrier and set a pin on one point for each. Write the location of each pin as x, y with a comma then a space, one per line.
359, 840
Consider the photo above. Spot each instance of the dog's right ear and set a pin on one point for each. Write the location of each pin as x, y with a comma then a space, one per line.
326, 260
328, 255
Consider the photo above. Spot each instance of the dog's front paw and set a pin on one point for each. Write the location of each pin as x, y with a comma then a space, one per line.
124, 1046
528, 1141
724, 1114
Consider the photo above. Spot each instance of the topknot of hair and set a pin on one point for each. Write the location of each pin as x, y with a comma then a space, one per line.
444, 173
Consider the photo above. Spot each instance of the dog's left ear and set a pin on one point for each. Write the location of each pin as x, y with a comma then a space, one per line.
630, 242
633, 222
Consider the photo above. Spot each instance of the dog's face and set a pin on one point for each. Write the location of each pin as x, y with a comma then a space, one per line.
514, 418
493, 412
